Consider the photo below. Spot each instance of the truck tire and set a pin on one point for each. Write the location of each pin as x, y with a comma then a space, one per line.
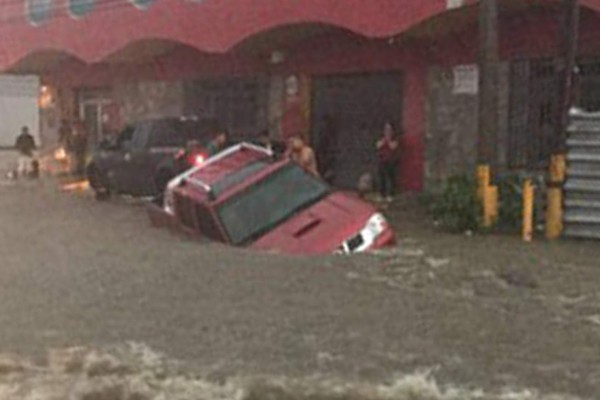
98, 183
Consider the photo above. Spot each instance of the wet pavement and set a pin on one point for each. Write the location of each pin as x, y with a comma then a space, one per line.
477, 313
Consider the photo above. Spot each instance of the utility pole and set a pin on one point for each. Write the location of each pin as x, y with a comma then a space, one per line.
487, 154
488, 83
566, 71
566, 75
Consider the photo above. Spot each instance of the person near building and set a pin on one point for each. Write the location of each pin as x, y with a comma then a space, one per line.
64, 131
302, 154
219, 142
387, 155
277, 147
25, 145
78, 142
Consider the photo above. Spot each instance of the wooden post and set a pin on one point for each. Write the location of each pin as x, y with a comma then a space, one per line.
566, 70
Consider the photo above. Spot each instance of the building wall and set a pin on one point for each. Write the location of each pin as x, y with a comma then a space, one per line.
439, 127
451, 121
341, 53
154, 99
451, 138
18, 107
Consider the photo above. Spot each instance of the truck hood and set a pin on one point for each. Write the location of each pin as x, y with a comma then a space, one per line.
320, 229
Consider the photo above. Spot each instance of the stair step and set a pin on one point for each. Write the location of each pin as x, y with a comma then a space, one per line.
583, 185
584, 216
575, 142
582, 232
573, 204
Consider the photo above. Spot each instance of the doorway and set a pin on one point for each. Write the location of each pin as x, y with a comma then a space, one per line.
95, 114
348, 114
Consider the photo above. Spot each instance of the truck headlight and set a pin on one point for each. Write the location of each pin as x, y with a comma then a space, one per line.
376, 224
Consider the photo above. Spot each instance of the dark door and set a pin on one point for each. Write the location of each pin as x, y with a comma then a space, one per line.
349, 112
112, 161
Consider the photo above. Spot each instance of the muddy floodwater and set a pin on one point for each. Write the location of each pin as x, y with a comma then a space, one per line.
95, 304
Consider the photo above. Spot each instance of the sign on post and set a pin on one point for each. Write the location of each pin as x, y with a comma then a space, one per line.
466, 79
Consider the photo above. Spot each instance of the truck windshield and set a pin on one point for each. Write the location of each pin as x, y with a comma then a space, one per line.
269, 202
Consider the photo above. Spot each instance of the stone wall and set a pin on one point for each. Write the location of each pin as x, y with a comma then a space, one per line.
451, 126
142, 100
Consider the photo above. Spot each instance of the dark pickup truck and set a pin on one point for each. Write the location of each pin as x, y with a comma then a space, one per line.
140, 160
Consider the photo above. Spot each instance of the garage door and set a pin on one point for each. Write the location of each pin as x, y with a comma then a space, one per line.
348, 115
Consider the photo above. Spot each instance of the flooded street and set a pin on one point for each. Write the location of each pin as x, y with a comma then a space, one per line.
437, 317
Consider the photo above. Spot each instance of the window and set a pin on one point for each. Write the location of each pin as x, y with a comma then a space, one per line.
533, 113
142, 4
78, 8
238, 177
588, 85
125, 136
39, 10
268, 203
166, 133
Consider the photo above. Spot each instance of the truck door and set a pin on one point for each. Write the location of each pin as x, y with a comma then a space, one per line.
124, 176
162, 138
111, 158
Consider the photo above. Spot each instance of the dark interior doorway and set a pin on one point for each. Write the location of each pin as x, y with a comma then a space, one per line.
348, 114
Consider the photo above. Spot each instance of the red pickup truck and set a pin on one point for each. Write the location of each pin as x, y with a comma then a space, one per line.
245, 197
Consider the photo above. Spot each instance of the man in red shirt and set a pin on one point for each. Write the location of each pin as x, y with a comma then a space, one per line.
387, 151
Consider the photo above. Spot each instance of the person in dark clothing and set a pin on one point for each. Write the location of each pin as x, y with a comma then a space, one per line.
25, 144
64, 131
78, 142
387, 154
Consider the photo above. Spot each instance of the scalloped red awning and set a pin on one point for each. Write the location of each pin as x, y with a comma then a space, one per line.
213, 26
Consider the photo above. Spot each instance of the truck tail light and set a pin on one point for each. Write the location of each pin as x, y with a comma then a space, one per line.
199, 159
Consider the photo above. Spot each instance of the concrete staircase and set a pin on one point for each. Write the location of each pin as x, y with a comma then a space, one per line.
582, 187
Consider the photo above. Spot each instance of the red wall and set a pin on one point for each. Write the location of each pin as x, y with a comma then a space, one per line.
530, 36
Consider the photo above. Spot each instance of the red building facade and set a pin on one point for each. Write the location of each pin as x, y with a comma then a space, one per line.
331, 70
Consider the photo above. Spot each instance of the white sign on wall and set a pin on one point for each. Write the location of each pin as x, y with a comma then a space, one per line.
466, 79
18, 107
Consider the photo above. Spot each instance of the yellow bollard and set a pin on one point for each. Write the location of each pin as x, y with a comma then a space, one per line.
558, 167
490, 206
554, 213
483, 180
554, 210
528, 194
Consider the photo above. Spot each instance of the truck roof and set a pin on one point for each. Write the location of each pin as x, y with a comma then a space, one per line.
229, 168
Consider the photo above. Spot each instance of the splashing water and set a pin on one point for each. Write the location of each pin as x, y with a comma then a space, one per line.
135, 372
